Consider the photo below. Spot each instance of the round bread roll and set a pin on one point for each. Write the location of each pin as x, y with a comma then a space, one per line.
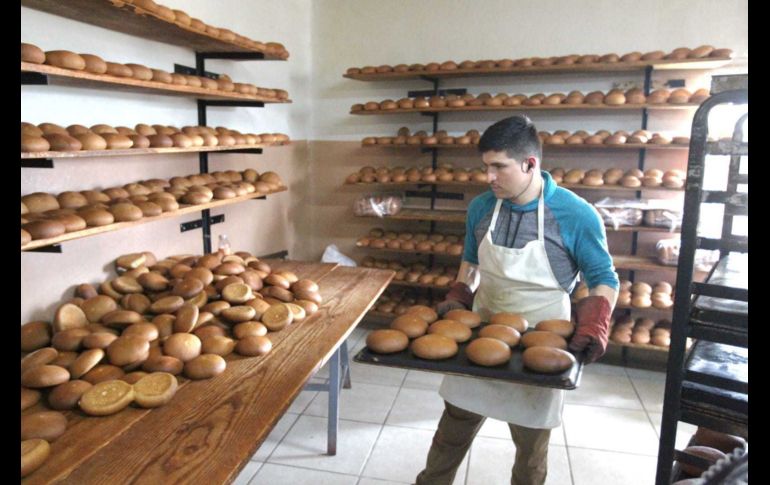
66, 395
46, 425
107, 397
277, 317
94, 64
387, 341
410, 324
32, 53
43, 356
65, 60
426, 313
183, 346
434, 347
563, 328
155, 389
510, 320
488, 352
118, 70
630, 181
205, 366
254, 346
163, 363
541, 338
453, 329
34, 453
466, 317
547, 360
506, 334
44, 229
44, 376
126, 350
86, 361
32, 144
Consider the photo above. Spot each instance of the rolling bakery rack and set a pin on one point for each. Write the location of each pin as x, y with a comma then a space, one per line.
708, 386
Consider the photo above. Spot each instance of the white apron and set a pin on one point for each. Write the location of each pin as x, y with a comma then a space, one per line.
518, 281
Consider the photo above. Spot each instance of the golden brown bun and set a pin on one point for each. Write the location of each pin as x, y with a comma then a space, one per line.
119, 70
387, 341
63, 143
542, 338
466, 317
107, 397
547, 360
31, 143
47, 425
452, 329
94, 64
563, 328
32, 53
488, 352
44, 228
34, 453
510, 320
65, 60
700, 52
506, 334
66, 395
410, 324
205, 366
434, 347
254, 345
426, 313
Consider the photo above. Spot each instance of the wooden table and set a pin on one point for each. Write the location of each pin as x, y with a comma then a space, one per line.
211, 428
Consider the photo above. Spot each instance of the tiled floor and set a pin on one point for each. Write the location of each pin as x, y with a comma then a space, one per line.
609, 434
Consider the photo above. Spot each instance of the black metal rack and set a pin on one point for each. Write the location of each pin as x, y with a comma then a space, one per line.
709, 386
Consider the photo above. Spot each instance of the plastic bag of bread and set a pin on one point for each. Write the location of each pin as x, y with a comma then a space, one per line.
667, 251
620, 212
669, 219
379, 206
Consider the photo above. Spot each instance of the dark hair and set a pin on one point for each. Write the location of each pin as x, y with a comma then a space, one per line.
516, 136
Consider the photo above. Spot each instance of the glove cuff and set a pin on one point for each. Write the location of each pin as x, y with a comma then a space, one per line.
462, 293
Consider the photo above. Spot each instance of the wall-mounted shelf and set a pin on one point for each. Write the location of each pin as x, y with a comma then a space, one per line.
121, 17
68, 77
618, 188
186, 209
705, 63
419, 285
546, 147
148, 151
556, 107
454, 216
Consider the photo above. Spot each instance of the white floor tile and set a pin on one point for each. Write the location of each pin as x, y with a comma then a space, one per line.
623, 430
302, 400
417, 379
492, 428
684, 431
646, 374
305, 446
247, 473
400, 455
613, 391
374, 481
362, 402
594, 467
271, 474
651, 392
275, 437
491, 461
376, 374
416, 408
604, 369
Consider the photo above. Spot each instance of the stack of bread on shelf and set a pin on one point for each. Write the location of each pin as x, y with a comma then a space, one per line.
633, 178
445, 172
418, 273
450, 244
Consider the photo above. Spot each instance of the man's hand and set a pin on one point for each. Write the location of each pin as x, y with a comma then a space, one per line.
593, 327
460, 297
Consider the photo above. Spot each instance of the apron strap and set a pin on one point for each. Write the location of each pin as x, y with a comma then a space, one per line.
494, 216
541, 215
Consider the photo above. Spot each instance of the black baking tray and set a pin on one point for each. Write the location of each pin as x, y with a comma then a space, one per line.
513, 371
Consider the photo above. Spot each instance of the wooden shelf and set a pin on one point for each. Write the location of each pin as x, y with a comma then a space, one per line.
562, 107
618, 188
546, 148
120, 17
406, 184
68, 77
648, 309
142, 151
186, 209
427, 215
642, 229
407, 251
632, 345
419, 285
641, 263
707, 63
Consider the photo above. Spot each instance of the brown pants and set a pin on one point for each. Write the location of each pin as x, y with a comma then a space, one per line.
453, 438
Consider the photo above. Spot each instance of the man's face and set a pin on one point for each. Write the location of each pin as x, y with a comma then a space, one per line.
506, 176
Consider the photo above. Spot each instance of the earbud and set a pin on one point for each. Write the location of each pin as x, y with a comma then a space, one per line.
530, 164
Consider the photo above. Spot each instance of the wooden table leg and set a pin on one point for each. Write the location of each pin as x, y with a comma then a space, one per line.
334, 404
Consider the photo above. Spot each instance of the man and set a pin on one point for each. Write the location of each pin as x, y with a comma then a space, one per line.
526, 242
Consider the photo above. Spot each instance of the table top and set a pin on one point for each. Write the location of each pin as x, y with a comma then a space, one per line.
212, 427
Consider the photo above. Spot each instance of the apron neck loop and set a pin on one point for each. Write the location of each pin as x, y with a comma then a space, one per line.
540, 214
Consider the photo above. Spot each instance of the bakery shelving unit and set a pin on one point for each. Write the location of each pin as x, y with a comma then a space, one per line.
631, 263
134, 20
708, 386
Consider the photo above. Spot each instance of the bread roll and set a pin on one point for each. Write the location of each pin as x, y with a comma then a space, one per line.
34, 453
434, 347
450, 328
107, 397
118, 70
488, 352
63, 143
32, 53
46, 425
543, 339
547, 360
65, 60
387, 341
254, 346
510, 320
66, 395
94, 64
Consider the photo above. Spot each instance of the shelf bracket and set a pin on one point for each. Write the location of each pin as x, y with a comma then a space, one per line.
234, 104
437, 195
279, 255
33, 78
233, 56
253, 151
53, 248
435, 92
198, 223
37, 163
191, 71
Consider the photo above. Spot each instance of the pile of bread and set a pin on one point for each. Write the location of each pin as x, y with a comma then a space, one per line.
50, 136
45, 215
183, 20
420, 329
652, 177
398, 300
405, 137
420, 242
417, 273
127, 339
642, 331
614, 97
711, 446
604, 137
636, 295
680, 53
445, 172
94, 64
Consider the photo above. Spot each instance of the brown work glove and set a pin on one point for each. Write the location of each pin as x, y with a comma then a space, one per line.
460, 297
593, 328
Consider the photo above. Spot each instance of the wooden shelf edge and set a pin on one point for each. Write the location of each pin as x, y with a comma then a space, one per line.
142, 151
92, 231
618, 188
704, 63
139, 85
632, 345
580, 107
419, 285
626, 146
406, 251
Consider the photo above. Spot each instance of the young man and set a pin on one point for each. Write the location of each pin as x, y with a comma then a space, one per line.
526, 241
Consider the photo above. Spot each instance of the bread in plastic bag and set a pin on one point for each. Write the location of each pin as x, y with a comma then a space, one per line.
378, 205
